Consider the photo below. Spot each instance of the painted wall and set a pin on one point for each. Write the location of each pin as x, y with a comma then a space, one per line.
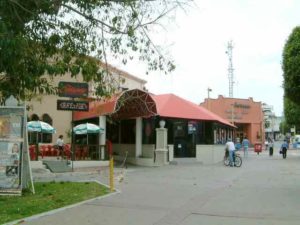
240, 111
210, 154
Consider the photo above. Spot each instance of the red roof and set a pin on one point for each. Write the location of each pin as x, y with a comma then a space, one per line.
170, 105
166, 105
97, 108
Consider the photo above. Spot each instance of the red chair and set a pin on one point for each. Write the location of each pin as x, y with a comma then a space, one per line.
78, 153
67, 153
54, 151
32, 152
85, 152
42, 151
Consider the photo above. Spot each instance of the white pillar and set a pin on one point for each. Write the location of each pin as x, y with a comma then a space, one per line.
161, 146
102, 136
138, 137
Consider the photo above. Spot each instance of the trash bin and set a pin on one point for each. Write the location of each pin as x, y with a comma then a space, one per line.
257, 148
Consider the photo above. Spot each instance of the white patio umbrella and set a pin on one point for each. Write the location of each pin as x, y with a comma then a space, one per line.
87, 128
40, 126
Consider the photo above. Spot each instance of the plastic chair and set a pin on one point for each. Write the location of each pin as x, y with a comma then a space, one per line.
32, 152
78, 153
85, 152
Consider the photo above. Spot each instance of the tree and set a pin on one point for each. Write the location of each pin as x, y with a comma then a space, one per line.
292, 113
39, 37
291, 67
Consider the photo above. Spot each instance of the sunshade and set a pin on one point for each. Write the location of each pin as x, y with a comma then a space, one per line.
40, 126
87, 128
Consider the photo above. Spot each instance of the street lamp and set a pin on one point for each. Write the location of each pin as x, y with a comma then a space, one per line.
208, 105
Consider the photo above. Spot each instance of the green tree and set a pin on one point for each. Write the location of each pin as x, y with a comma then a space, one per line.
292, 113
291, 67
56, 36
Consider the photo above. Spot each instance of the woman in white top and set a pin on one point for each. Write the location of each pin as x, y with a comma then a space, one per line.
60, 145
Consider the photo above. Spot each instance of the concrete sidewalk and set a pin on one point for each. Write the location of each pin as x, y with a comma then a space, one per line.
265, 190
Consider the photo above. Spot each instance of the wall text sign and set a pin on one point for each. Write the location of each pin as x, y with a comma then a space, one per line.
72, 105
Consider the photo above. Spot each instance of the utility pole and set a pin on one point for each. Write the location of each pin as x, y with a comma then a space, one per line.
230, 68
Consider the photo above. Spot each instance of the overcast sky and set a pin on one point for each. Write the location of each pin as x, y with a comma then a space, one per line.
198, 40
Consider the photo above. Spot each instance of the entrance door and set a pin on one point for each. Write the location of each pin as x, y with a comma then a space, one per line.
180, 147
185, 138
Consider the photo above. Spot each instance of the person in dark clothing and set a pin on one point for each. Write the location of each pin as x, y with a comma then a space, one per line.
284, 148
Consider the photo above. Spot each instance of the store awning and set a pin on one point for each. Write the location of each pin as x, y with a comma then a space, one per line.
126, 105
170, 105
137, 103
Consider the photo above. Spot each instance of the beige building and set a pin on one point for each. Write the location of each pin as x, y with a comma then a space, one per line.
44, 107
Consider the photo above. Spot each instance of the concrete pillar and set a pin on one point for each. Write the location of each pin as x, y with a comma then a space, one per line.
138, 136
161, 147
102, 136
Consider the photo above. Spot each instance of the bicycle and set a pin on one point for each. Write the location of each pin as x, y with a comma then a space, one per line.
237, 159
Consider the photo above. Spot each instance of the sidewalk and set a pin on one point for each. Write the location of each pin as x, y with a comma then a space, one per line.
265, 191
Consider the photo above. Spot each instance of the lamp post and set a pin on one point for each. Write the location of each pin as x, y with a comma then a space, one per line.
208, 101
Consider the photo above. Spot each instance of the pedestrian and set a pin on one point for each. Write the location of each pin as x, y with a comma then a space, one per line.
231, 148
271, 147
284, 148
266, 144
245, 145
60, 145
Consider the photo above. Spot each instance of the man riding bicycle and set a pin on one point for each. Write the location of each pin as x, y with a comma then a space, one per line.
231, 148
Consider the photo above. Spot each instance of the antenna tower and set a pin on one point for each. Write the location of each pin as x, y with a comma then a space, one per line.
230, 68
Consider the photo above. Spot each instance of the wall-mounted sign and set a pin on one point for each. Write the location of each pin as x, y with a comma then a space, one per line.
239, 105
73, 89
72, 105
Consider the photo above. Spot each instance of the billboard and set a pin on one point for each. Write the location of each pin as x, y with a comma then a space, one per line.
73, 89
11, 144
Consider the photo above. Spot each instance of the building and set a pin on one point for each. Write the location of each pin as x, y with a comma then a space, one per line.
44, 107
132, 122
271, 121
245, 114
130, 119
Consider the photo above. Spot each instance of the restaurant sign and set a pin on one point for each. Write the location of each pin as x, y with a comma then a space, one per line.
73, 89
72, 105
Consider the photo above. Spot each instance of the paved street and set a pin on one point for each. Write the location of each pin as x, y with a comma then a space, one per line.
265, 190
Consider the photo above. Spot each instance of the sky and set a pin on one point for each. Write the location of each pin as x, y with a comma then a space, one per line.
197, 41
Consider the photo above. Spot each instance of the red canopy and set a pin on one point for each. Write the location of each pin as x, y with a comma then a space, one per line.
170, 105
137, 103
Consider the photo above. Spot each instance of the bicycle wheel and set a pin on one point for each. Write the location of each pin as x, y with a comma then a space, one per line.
226, 161
238, 161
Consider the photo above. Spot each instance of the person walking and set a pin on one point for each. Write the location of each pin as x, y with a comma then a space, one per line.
231, 148
271, 147
60, 145
284, 148
245, 145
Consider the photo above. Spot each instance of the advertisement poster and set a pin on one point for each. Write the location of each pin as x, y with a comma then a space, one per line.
11, 140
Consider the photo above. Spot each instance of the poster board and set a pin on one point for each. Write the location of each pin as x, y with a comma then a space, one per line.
12, 122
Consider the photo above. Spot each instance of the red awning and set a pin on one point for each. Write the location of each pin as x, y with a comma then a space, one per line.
126, 105
138, 103
97, 108
170, 105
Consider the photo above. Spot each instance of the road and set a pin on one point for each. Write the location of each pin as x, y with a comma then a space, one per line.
264, 191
